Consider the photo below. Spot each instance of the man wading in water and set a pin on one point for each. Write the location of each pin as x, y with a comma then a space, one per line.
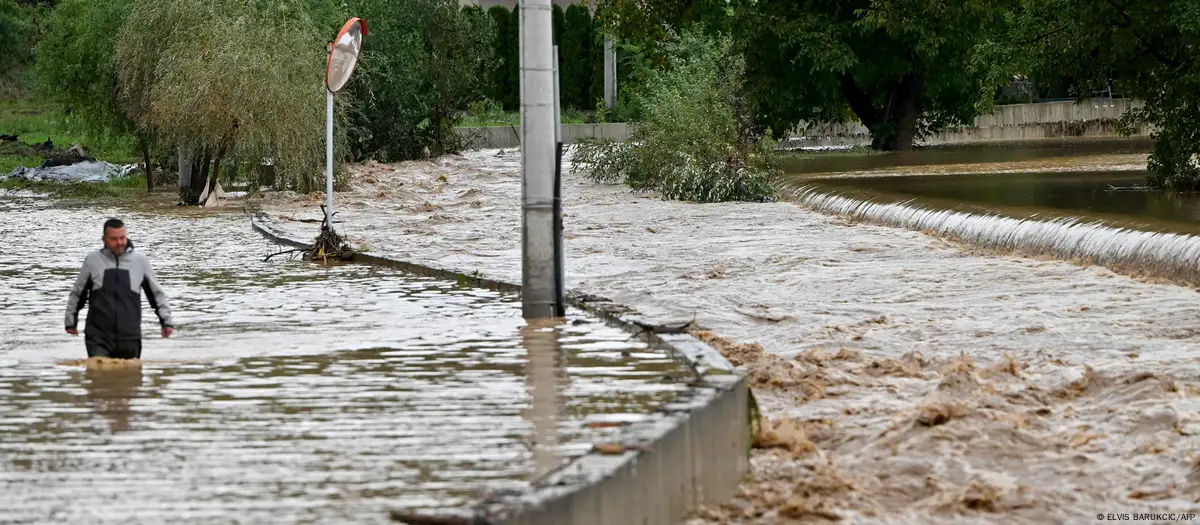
112, 278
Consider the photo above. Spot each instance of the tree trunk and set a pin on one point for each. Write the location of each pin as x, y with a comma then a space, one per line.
212, 181
905, 114
198, 181
894, 126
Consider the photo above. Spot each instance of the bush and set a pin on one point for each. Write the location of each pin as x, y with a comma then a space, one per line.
695, 141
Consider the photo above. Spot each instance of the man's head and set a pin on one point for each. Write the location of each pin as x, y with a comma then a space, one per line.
114, 236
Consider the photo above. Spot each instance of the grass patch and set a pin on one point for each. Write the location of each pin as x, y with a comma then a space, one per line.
34, 122
129, 187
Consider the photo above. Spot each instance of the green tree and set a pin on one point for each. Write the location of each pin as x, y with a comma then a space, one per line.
419, 68
498, 82
695, 141
905, 68
1143, 50
76, 62
641, 32
15, 30
556, 24
648, 25
329, 16
576, 54
76, 68
514, 63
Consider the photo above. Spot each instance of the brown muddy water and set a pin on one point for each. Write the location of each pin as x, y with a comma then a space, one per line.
1079, 200
291, 392
841, 161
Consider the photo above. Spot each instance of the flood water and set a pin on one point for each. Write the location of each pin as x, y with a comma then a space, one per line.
1080, 200
1090, 180
970, 153
291, 391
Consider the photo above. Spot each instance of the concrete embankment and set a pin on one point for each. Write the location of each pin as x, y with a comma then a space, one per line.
1012, 122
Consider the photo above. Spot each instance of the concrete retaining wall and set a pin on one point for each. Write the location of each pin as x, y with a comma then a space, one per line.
1090, 118
1014, 122
696, 454
510, 136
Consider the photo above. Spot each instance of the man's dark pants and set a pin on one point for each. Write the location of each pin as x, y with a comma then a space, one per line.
106, 347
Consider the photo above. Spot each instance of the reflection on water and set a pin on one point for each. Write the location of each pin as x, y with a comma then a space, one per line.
546, 377
291, 392
110, 388
975, 153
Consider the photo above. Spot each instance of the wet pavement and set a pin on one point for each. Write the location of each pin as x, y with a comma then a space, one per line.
291, 392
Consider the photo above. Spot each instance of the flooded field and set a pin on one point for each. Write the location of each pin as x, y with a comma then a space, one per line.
290, 392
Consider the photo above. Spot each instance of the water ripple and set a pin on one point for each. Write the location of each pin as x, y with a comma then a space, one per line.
292, 392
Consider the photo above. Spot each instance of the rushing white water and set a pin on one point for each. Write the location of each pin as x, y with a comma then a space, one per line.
1161, 254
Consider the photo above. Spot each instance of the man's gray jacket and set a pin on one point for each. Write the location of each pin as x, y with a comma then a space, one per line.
113, 285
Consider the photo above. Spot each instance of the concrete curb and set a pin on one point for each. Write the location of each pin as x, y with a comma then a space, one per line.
697, 454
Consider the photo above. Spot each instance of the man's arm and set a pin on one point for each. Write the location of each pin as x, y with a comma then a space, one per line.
78, 297
157, 298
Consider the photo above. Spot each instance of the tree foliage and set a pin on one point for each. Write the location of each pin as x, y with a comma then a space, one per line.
501, 87
77, 64
1145, 50
695, 141
15, 49
649, 25
905, 68
420, 68
575, 52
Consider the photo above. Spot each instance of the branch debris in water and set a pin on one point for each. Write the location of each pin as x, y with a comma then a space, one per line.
328, 244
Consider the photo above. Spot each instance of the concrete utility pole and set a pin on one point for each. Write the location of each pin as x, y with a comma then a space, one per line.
610, 74
185, 170
560, 282
539, 276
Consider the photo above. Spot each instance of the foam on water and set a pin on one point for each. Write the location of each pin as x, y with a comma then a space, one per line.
1161, 254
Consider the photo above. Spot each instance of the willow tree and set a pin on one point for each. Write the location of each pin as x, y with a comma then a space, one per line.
234, 80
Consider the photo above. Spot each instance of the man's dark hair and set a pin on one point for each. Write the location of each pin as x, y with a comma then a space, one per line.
113, 223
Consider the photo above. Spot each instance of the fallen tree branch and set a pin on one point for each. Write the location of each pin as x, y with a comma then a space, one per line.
421, 519
293, 250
